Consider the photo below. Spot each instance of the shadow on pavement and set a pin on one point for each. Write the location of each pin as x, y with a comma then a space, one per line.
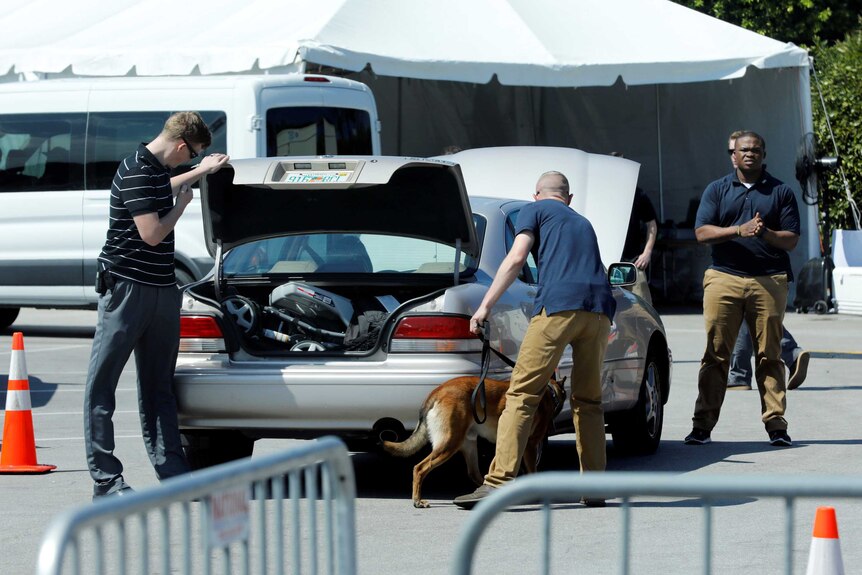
40, 392
61, 331
381, 476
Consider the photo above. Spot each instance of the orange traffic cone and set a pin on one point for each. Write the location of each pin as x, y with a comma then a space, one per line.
18, 453
825, 555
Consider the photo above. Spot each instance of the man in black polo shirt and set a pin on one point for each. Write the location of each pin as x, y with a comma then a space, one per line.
795, 358
639, 245
752, 222
139, 302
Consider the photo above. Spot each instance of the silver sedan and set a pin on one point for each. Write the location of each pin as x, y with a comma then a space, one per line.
341, 297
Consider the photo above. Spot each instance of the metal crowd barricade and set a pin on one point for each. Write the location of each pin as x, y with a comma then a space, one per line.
240, 508
547, 488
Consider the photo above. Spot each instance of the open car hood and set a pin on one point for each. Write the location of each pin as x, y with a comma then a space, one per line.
602, 186
252, 199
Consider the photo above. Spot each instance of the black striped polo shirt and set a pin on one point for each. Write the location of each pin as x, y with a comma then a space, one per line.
141, 185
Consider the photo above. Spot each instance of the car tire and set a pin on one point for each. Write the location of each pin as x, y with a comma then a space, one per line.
205, 449
8, 315
638, 431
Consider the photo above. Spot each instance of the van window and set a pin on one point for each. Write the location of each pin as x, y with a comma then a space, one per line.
41, 152
112, 136
316, 131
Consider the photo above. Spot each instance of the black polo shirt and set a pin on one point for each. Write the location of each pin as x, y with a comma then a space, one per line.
642, 212
141, 185
728, 203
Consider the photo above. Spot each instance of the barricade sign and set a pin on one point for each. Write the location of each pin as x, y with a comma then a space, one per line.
228, 516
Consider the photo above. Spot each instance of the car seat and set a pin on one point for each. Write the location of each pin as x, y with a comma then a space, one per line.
347, 254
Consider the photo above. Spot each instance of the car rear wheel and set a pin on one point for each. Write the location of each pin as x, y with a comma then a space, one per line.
8, 315
638, 430
208, 448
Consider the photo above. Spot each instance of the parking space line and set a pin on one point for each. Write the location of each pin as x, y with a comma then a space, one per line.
43, 413
44, 349
41, 439
836, 354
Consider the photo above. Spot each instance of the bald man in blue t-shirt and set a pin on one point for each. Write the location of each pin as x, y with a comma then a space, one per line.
573, 306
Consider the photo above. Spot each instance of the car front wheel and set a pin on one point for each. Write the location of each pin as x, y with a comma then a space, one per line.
638, 430
208, 448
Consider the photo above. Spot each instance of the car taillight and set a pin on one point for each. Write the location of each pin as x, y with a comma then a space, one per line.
434, 334
200, 334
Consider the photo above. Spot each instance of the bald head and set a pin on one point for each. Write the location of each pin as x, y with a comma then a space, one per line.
553, 185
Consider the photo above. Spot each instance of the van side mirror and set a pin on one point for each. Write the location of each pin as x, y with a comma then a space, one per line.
622, 274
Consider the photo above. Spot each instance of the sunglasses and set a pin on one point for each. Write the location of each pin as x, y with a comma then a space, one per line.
192, 153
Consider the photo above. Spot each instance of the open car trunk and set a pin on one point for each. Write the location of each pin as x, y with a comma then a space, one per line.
318, 255
274, 318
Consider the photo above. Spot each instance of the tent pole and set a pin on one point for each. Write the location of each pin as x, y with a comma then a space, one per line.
658, 148
400, 119
807, 122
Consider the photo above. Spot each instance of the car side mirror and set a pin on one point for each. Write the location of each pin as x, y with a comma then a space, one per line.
622, 274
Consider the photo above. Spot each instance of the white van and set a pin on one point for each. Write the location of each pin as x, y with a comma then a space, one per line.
62, 140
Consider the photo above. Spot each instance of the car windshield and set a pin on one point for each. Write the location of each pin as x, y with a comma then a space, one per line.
345, 253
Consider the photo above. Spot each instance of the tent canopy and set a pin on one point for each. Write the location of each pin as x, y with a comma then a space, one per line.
548, 43
659, 82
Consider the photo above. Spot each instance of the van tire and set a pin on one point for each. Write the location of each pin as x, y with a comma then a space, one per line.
8, 315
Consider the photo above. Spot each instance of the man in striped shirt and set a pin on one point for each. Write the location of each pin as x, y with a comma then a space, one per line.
139, 302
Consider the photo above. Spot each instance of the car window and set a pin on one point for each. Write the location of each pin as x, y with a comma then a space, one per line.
530, 273
344, 253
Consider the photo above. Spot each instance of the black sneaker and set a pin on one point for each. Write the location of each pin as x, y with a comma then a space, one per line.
779, 438
594, 502
121, 492
697, 437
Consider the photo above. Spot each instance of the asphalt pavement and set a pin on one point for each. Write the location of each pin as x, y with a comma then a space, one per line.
393, 537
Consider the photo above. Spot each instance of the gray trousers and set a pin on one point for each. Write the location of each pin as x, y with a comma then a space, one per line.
146, 320
740, 360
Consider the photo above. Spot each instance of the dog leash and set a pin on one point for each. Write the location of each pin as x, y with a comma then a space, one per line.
479, 391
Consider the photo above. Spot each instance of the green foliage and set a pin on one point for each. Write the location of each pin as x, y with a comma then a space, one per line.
839, 69
803, 22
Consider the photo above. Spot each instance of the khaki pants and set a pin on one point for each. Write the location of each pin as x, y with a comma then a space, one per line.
729, 300
540, 353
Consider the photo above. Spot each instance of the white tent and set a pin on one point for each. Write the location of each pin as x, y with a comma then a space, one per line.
659, 82
552, 43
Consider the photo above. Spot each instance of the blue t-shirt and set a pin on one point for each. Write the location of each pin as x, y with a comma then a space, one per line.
571, 274
727, 202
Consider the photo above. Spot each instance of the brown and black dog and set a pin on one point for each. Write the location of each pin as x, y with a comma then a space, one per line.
446, 420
